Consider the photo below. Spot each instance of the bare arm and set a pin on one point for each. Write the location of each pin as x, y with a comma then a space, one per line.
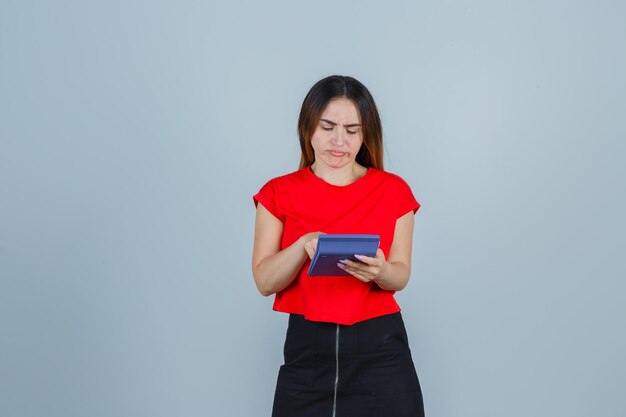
392, 273
274, 269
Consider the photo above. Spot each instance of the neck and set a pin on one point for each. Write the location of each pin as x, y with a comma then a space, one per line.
339, 176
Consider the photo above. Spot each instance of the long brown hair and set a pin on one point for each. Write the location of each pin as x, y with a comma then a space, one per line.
318, 97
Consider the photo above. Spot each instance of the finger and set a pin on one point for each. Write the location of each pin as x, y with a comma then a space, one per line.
361, 267
350, 263
355, 273
366, 259
368, 272
363, 276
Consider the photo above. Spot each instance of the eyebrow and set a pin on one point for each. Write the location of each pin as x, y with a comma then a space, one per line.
335, 124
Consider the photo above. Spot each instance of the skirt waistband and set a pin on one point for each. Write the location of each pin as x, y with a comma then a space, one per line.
318, 343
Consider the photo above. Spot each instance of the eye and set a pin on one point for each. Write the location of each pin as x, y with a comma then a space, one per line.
325, 127
351, 132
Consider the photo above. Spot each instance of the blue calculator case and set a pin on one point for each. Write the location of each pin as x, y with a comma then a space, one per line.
332, 248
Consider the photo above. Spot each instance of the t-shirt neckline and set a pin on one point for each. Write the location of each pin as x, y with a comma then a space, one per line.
341, 187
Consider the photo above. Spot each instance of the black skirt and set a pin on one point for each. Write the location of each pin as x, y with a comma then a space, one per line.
333, 370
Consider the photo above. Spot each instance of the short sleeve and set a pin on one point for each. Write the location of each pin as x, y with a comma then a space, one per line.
405, 199
268, 197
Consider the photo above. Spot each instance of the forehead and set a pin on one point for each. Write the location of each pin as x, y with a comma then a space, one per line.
341, 110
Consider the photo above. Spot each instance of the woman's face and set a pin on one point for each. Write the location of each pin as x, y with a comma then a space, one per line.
338, 136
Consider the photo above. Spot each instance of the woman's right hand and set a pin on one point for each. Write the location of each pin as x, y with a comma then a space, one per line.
310, 242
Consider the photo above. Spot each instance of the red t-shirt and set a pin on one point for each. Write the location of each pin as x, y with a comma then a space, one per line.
306, 203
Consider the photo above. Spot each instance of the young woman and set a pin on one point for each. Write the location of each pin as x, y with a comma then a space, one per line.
346, 350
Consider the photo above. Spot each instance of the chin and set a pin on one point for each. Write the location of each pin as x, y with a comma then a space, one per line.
336, 164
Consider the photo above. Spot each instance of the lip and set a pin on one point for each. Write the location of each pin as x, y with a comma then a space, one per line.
336, 153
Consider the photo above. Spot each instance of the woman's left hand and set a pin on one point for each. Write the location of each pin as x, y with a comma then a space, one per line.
368, 269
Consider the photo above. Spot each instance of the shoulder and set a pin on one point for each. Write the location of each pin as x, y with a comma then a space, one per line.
289, 179
282, 184
404, 199
276, 191
389, 178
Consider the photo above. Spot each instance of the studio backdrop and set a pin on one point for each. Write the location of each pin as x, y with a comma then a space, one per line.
133, 135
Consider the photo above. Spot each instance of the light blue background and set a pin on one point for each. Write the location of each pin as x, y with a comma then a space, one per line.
134, 133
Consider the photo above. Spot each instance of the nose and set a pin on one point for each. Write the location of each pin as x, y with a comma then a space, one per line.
337, 137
